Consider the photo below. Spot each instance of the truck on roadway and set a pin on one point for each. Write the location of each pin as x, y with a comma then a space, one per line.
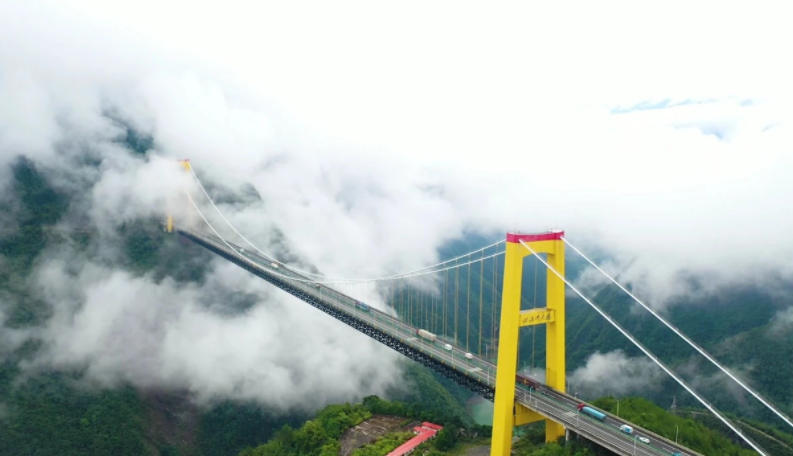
427, 335
528, 382
600, 416
626, 429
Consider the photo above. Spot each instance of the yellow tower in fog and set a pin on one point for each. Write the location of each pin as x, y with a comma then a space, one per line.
169, 220
507, 414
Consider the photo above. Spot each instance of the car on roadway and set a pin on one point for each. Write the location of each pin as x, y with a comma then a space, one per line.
644, 440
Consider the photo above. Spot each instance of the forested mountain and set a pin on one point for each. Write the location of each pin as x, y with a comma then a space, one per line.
58, 412
738, 325
334, 429
55, 412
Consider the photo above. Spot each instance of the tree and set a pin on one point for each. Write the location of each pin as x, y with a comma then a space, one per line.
447, 438
330, 449
285, 435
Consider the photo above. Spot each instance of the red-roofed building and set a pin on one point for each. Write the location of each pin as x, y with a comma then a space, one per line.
429, 425
426, 432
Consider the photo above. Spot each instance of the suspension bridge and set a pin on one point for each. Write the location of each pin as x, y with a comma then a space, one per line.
436, 316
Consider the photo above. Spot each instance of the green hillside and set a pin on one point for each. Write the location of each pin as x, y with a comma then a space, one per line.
769, 351
56, 413
734, 324
51, 412
322, 436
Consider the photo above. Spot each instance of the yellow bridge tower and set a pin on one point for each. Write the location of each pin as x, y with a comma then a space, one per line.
507, 414
169, 220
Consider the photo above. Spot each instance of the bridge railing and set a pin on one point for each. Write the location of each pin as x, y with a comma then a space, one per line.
382, 321
477, 368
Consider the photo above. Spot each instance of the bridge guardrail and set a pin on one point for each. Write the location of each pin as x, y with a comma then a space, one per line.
398, 330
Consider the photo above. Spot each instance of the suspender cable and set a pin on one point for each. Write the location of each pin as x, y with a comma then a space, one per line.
468, 308
423, 307
422, 310
445, 282
456, 298
410, 306
404, 305
693, 344
417, 308
433, 323
420, 319
337, 283
657, 361
427, 307
481, 290
493, 307
496, 305
312, 274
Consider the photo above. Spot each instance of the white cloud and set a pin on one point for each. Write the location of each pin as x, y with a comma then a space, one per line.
281, 352
375, 137
10, 338
130, 188
718, 381
782, 322
615, 373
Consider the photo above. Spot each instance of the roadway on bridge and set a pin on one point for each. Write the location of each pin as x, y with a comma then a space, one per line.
558, 406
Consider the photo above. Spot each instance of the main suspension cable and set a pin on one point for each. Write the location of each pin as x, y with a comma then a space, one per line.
336, 282
335, 279
657, 361
693, 344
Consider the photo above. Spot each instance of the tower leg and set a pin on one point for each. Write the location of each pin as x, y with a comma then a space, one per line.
503, 410
506, 413
555, 335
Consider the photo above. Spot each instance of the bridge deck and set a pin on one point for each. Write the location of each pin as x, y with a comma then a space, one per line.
476, 373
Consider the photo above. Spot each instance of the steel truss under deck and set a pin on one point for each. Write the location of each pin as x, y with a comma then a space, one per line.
474, 385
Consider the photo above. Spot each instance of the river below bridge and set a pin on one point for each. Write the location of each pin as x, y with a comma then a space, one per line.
482, 411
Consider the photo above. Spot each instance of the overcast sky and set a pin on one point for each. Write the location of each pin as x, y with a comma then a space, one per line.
510, 108
376, 134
